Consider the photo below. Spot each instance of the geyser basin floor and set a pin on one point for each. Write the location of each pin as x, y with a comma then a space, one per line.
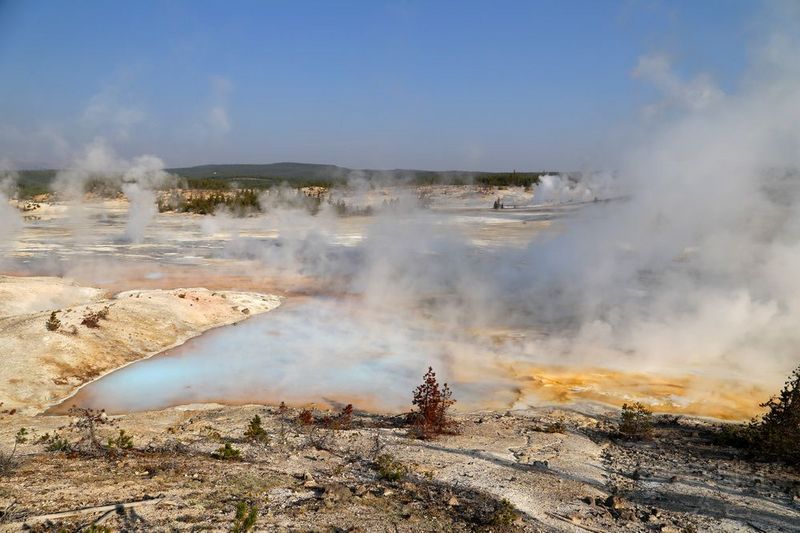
332, 351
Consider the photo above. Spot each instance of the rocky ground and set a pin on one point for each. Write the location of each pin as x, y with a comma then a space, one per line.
545, 469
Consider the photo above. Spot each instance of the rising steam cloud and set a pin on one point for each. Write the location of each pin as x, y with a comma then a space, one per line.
10, 219
136, 178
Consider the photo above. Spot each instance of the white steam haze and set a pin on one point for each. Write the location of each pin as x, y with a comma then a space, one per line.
137, 178
691, 269
10, 220
683, 260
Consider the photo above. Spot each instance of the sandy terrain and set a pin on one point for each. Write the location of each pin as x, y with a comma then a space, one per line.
41, 366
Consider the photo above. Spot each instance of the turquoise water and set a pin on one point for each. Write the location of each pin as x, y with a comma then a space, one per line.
316, 350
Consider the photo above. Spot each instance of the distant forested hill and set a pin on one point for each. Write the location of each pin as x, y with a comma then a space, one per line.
33, 182
329, 174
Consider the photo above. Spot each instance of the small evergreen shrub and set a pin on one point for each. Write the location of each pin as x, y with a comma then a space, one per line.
245, 518
636, 421
255, 431
227, 453
53, 323
55, 443
779, 429
122, 441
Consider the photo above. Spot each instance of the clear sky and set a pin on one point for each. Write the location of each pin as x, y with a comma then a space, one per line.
489, 85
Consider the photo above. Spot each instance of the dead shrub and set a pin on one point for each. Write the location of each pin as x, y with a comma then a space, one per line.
432, 402
320, 438
9, 461
306, 417
92, 318
86, 423
342, 420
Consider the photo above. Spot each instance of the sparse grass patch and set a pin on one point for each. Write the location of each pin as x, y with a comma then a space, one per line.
389, 468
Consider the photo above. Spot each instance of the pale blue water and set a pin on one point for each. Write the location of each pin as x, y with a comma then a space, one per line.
315, 350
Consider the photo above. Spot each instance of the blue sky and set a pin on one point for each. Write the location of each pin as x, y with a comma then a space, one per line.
449, 84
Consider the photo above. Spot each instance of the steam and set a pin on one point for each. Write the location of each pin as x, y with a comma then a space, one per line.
689, 267
559, 189
136, 178
10, 219
693, 267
